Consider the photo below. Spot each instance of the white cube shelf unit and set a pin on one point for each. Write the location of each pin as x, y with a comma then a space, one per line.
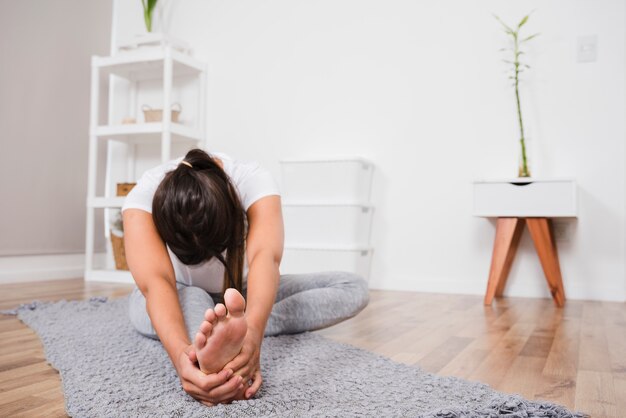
161, 67
327, 214
526, 198
322, 223
298, 260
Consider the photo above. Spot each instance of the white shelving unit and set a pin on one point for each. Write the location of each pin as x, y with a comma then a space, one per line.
327, 214
157, 65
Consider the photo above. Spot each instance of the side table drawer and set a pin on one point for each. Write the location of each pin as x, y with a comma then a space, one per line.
525, 198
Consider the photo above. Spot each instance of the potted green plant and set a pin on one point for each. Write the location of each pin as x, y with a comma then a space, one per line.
148, 10
153, 12
517, 68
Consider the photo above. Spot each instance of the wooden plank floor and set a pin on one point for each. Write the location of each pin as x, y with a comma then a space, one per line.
574, 356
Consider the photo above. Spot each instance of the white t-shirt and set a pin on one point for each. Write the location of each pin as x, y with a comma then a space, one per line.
252, 183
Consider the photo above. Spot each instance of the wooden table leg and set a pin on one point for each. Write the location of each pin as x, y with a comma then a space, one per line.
508, 233
545, 245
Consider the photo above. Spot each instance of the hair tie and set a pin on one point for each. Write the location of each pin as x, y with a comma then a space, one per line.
186, 163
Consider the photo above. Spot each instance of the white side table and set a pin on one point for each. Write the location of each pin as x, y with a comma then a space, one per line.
518, 202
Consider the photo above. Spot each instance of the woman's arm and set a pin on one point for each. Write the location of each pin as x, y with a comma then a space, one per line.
264, 250
152, 270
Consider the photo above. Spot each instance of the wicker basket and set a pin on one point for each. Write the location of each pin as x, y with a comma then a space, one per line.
124, 188
117, 241
119, 254
156, 115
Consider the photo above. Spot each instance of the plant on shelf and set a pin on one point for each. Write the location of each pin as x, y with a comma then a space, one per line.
148, 9
518, 67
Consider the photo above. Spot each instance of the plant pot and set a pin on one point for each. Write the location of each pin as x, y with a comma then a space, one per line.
523, 164
154, 40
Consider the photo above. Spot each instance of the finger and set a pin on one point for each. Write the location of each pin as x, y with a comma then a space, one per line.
195, 392
202, 396
257, 380
193, 357
245, 372
237, 393
227, 389
243, 368
238, 362
204, 381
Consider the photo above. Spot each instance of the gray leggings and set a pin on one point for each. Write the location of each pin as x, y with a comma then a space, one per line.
304, 302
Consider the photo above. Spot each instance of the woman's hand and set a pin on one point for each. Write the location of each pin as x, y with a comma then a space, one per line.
248, 362
209, 389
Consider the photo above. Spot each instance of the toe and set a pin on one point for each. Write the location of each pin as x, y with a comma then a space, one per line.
206, 327
209, 315
235, 302
220, 310
200, 340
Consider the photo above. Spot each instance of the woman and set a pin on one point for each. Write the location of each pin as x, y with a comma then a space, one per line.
201, 224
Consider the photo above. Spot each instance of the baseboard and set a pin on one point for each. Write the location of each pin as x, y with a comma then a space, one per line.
573, 291
15, 269
34, 268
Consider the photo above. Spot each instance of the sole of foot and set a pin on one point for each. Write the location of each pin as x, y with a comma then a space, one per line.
220, 336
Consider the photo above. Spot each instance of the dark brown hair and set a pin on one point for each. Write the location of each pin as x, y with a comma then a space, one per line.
198, 214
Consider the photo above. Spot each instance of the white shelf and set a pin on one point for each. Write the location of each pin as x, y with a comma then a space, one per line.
336, 159
333, 179
314, 260
114, 276
161, 65
105, 202
320, 225
147, 64
133, 131
306, 247
327, 213
320, 203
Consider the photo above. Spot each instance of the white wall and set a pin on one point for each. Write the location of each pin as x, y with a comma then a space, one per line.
45, 50
419, 88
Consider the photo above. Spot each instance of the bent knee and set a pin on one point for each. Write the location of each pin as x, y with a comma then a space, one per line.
363, 291
138, 314
358, 291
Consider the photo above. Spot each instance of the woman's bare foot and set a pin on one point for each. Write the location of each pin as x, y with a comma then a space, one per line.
221, 335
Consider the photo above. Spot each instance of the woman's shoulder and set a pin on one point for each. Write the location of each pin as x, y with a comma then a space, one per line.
253, 181
237, 169
140, 197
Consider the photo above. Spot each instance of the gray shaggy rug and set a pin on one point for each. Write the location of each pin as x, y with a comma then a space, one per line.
108, 370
